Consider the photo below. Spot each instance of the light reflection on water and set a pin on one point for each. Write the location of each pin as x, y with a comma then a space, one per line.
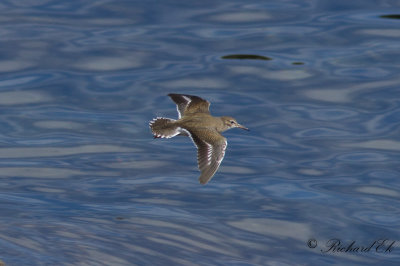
83, 182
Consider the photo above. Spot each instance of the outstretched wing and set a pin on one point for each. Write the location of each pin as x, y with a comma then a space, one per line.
187, 104
211, 148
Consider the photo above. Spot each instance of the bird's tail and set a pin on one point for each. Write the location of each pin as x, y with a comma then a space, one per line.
164, 127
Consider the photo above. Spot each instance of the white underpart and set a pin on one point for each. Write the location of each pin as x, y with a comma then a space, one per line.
177, 131
223, 152
179, 113
188, 100
209, 147
209, 153
190, 135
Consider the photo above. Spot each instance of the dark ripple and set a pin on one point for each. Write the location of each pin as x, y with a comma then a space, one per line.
246, 56
390, 16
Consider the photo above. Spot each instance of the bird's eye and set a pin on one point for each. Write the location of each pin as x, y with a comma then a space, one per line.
232, 122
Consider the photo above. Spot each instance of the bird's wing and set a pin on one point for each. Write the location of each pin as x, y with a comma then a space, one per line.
211, 148
186, 104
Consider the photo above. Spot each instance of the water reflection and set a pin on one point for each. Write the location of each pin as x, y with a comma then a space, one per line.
184, 83
287, 75
241, 17
348, 94
379, 144
45, 172
65, 125
386, 192
271, 227
22, 97
112, 63
36, 152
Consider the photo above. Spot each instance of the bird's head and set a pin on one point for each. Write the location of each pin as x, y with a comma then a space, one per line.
230, 122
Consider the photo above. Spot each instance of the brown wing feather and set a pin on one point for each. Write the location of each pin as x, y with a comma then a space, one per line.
210, 152
188, 104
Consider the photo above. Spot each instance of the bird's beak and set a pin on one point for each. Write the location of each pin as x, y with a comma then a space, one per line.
242, 127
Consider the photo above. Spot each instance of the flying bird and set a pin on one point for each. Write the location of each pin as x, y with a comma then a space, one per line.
196, 122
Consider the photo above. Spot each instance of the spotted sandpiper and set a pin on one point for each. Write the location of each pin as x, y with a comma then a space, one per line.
196, 122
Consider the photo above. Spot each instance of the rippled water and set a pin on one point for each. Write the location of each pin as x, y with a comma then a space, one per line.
82, 181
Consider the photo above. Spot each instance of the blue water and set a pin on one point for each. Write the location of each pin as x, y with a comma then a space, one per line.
82, 181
